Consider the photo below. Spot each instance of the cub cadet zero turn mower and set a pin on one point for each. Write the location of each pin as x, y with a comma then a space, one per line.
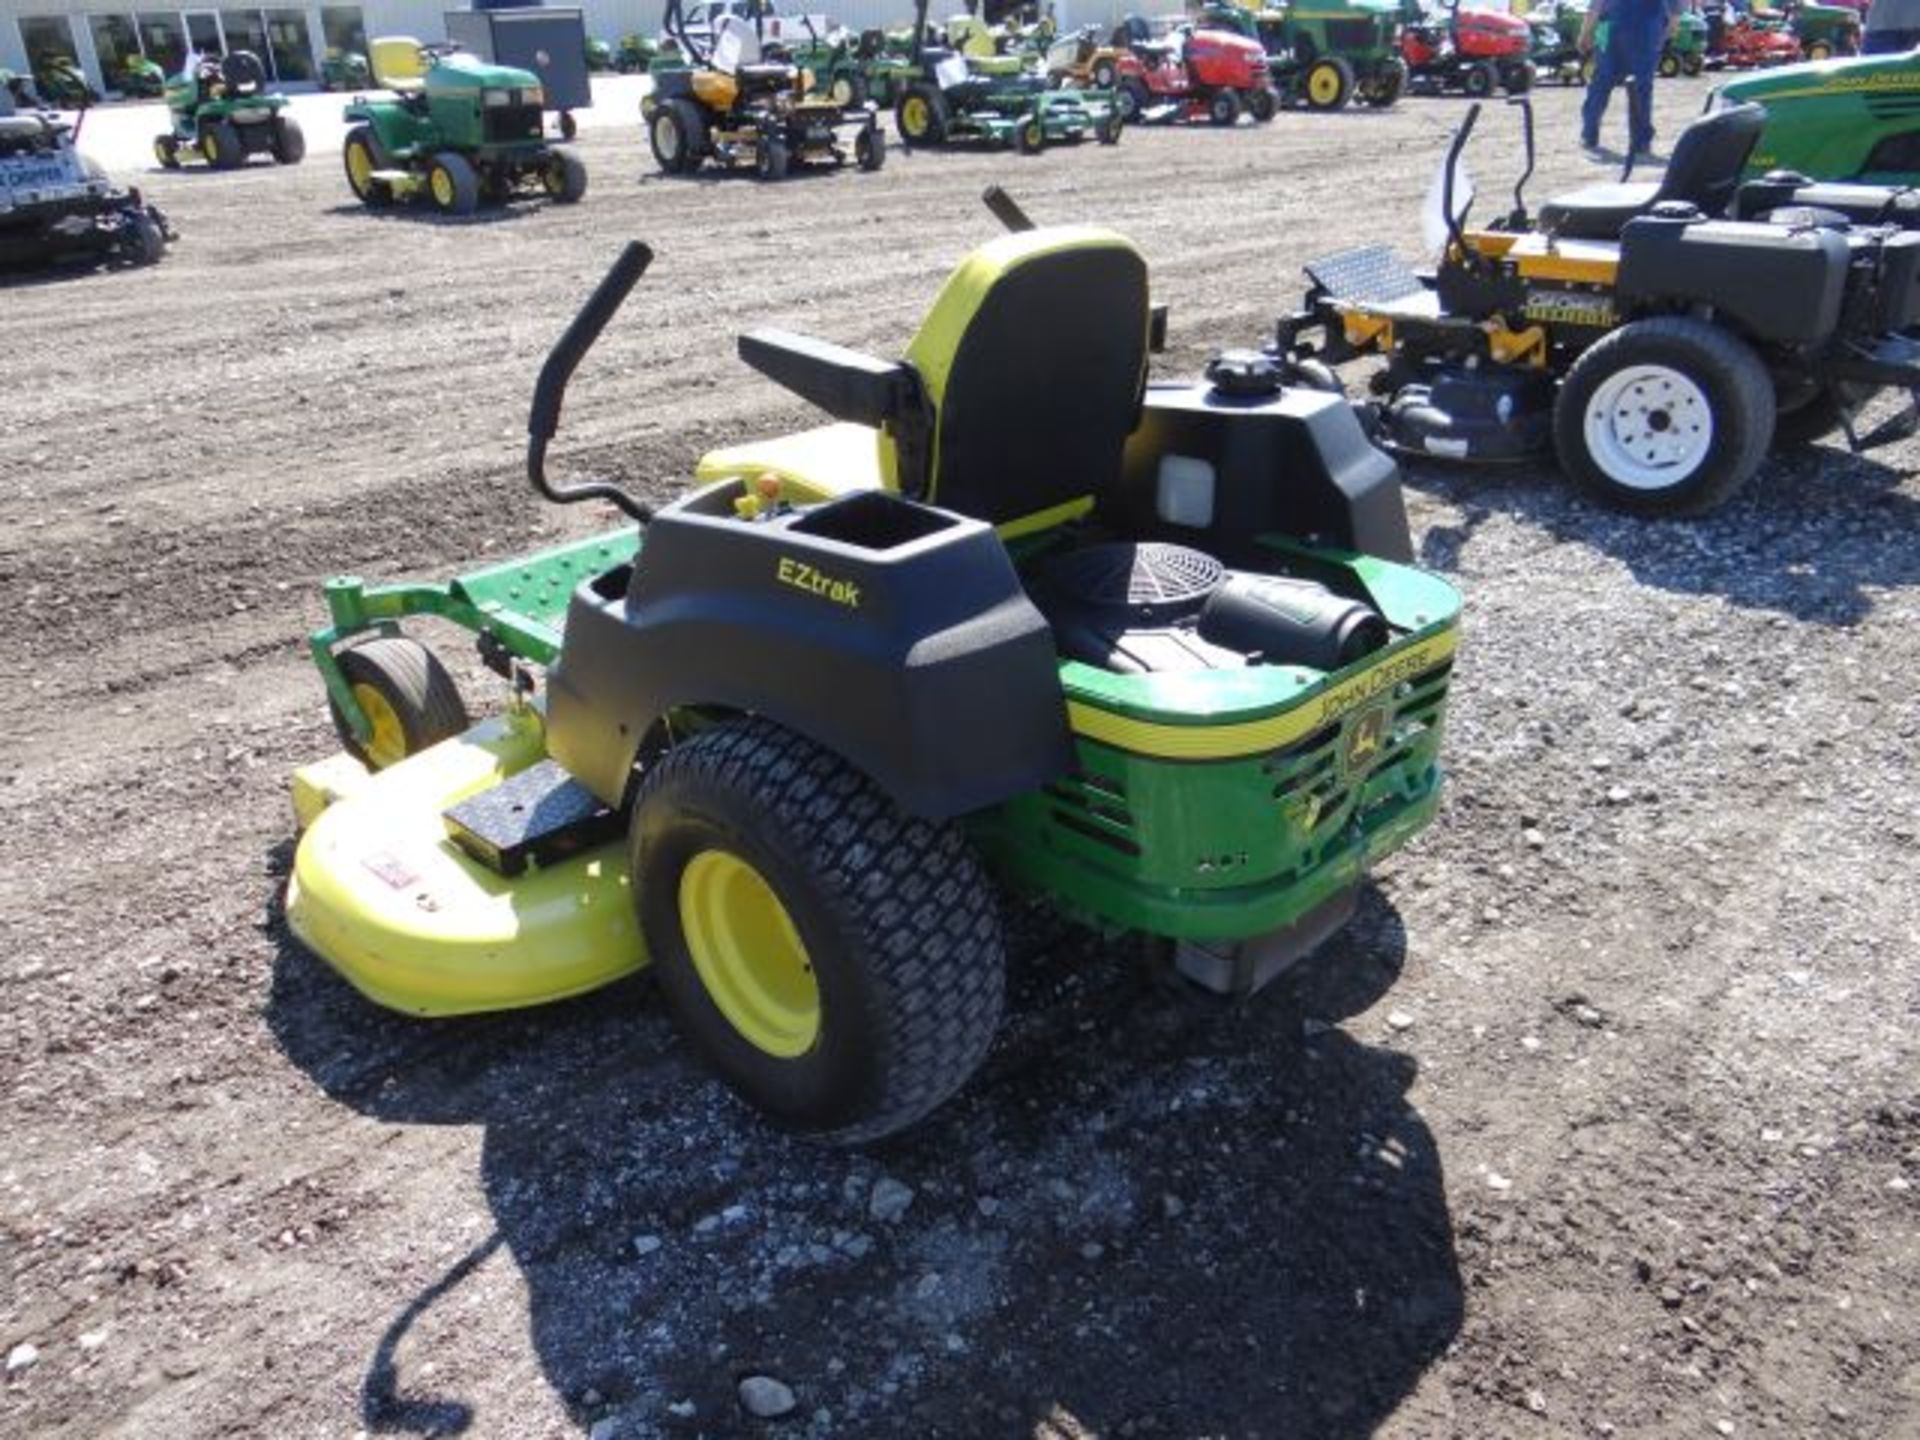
1653, 347
57, 204
221, 113
457, 130
730, 107
1146, 653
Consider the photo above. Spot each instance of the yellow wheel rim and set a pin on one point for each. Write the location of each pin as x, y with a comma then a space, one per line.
208, 149
387, 744
842, 93
161, 153
913, 115
442, 183
1324, 85
748, 954
359, 168
1818, 51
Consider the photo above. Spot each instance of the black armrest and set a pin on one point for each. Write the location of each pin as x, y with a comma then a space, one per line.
842, 382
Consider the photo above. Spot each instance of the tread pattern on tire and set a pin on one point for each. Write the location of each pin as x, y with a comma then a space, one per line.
430, 706
927, 915
1752, 394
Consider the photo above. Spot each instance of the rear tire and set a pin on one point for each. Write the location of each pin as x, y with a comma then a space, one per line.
870, 148
1132, 98
921, 116
564, 177
1224, 108
1328, 84
361, 160
1388, 84
1481, 80
1667, 416
289, 144
1669, 65
408, 694
839, 964
678, 135
1263, 104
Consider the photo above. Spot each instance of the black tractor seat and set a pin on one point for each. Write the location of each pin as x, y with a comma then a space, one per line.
1704, 172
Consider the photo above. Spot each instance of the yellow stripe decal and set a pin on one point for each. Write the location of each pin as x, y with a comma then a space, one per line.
1273, 732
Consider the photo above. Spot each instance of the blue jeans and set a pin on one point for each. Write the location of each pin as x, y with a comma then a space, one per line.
1889, 42
1632, 65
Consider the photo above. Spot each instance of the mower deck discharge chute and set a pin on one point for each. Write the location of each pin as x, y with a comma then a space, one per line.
458, 130
1656, 348
1149, 654
731, 106
221, 113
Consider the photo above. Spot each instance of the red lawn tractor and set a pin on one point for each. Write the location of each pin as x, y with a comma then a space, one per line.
1191, 74
1748, 46
1471, 51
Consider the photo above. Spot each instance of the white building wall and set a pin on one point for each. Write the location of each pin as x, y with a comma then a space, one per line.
605, 19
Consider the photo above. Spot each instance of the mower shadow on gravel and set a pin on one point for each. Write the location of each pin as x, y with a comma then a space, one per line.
493, 214
1152, 1206
1817, 532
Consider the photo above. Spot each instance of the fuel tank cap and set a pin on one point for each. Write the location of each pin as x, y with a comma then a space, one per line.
1243, 374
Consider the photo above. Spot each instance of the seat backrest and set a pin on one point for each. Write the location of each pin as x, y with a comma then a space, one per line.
1709, 157
1034, 357
397, 63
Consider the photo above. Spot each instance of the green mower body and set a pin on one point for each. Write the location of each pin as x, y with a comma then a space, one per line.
141, 79
1081, 650
1324, 54
345, 70
1856, 119
223, 115
462, 131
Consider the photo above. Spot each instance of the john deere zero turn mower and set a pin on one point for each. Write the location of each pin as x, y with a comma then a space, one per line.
1655, 349
58, 205
1016, 620
221, 113
1842, 120
972, 93
727, 106
457, 130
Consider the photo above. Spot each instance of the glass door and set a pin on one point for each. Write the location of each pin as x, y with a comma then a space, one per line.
203, 32
162, 39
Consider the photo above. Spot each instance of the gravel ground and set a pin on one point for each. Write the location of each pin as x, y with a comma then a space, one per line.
1600, 1120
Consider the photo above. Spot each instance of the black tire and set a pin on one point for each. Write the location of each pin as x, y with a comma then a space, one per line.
1387, 84
1263, 104
1104, 75
1669, 65
416, 687
932, 130
569, 127
1692, 64
1223, 107
143, 242
900, 928
870, 148
227, 151
1481, 79
166, 150
564, 177
848, 90
1108, 132
289, 143
678, 135
1725, 374
1132, 98
453, 184
1817, 416
1030, 136
359, 145
1518, 79
1328, 84
771, 158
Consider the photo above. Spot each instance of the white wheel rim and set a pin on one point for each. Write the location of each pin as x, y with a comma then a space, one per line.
666, 136
1649, 427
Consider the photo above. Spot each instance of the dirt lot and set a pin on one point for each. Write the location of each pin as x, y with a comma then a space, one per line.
1602, 1120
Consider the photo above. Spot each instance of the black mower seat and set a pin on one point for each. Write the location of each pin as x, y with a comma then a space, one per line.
759, 79
1704, 172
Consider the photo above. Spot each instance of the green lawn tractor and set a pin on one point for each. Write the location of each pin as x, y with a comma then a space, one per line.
1017, 623
57, 206
61, 83
221, 113
345, 70
1556, 42
1658, 351
966, 90
457, 130
1824, 31
727, 106
1323, 53
1685, 50
599, 56
1855, 119
140, 79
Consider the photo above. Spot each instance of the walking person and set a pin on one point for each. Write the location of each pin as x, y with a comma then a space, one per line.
1636, 32
1893, 26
